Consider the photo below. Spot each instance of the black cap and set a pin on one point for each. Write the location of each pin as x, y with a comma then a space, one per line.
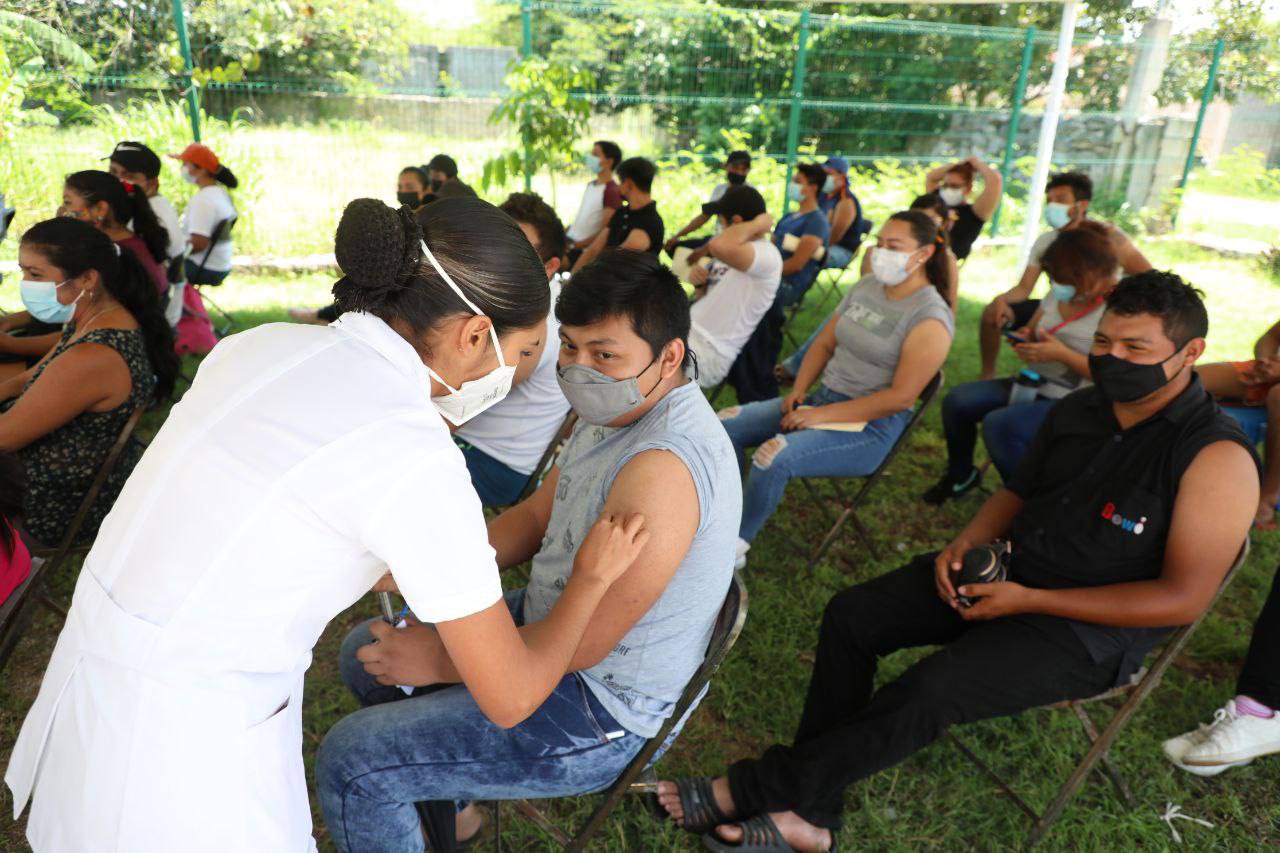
136, 157
735, 157
444, 164
742, 200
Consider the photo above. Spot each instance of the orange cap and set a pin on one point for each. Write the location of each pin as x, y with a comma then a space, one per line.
199, 155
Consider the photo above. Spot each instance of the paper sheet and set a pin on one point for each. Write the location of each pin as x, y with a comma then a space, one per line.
839, 426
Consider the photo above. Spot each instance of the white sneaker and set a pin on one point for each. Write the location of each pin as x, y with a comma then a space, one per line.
1233, 738
740, 556
1176, 748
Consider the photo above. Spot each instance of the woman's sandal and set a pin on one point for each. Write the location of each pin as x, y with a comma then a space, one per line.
701, 813
759, 835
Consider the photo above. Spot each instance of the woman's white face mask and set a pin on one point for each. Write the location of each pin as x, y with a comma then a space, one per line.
472, 397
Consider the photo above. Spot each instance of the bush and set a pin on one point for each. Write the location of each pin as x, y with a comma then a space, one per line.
1242, 172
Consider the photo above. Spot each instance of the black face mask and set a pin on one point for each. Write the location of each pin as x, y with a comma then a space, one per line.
411, 199
736, 178
1122, 381
435, 184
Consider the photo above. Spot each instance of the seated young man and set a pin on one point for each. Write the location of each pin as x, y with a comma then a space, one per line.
1255, 385
737, 166
732, 295
504, 444
637, 225
1067, 196
1111, 546
647, 441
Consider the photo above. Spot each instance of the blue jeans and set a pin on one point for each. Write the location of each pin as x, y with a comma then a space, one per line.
196, 276
793, 362
398, 750
808, 453
496, 483
837, 257
1006, 430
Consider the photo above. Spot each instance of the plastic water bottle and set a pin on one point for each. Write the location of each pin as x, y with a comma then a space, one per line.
1025, 387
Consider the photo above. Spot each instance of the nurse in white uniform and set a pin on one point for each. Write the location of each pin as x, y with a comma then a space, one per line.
302, 464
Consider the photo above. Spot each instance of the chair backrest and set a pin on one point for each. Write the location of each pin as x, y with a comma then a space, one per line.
922, 404
221, 234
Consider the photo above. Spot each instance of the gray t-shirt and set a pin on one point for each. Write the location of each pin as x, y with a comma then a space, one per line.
870, 332
641, 679
1077, 335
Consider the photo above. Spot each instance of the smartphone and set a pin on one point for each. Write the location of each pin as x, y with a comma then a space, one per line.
1013, 336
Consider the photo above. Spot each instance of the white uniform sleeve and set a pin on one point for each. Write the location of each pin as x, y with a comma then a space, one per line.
430, 531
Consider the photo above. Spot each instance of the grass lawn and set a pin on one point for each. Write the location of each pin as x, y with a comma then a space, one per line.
935, 800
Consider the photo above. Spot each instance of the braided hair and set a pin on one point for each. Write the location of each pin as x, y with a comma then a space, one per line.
483, 250
127, 204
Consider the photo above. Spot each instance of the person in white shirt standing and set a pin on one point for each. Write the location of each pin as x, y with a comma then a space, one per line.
600, 200
302, 464
504, 445
207, 262
733, 293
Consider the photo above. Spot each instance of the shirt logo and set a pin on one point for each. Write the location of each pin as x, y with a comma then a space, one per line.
1126, 524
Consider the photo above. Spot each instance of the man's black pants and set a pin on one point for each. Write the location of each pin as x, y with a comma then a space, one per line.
987, 669
1260, 677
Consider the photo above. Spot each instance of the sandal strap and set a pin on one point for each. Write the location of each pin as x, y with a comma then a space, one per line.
761, 832
701, 812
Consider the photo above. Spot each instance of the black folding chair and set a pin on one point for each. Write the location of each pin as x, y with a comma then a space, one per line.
549, 457
1136, 690
15, 612
850, 505
638, 777
221, 234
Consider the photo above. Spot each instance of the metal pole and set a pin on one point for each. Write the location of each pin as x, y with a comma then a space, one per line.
526, 51
1048, 129
184, 44
1210, 87
797, 93
1015, 118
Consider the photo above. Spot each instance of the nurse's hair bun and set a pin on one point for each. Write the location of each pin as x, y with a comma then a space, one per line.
378, 249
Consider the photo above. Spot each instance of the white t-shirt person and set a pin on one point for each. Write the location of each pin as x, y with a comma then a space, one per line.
168, 218
517, 430
209, 206
590, 219
735, 302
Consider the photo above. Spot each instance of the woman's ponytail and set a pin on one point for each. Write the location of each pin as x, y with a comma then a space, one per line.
128, 203
132, 286
146, 225
226, 177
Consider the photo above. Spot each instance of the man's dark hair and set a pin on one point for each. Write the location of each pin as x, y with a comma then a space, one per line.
420, 172
635, 285
639, 171
611, 151
444, 164
530, 209
738, 157
1179, 306
814, 175
741, 200
1081, 184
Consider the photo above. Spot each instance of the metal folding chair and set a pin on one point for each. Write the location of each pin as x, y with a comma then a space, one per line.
549, 456
221, 233
1137, 690
638, 777
15, 612
849, 506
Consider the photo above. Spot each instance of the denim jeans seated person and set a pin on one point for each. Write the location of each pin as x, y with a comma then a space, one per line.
666, 458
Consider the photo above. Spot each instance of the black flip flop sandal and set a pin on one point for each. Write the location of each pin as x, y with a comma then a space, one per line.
759, 835
701, 813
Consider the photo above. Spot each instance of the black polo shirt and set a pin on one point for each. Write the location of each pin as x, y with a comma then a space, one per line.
964, 230
1098, 501
628, 219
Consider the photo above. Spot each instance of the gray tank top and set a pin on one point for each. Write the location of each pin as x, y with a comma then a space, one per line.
640, 681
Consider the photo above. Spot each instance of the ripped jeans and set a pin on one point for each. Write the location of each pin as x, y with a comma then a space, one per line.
806, 453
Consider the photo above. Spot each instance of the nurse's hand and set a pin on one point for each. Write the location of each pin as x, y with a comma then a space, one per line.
611, 546
386, 583
413, 655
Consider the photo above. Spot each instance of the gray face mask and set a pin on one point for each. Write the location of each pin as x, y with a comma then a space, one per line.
600, 399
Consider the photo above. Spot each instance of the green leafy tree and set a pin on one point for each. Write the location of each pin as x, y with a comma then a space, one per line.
550, 114
1250, 63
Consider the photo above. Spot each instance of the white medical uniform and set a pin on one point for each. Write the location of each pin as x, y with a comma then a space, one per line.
302, 462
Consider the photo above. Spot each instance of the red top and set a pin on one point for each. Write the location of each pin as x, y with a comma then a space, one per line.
612, 196
139, 248
14, 567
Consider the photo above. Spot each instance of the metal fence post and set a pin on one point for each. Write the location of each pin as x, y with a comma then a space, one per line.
1210, 86
526, 51
1015, 118
188, 82
797, 94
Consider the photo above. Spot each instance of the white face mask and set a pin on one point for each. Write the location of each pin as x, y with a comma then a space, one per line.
952, 196
187, 176
473, 396
890, 267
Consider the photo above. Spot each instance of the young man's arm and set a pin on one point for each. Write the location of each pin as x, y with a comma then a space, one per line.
589, 254
1021, 291
809, 244
733, 244
933, 180
637, 241
1201, 547
1131, 260
694, 224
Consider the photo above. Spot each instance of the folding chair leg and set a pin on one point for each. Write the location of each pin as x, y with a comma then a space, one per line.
1121, 786
540, 820
865, 534
597, 819
993, 776
53, 606
827, 540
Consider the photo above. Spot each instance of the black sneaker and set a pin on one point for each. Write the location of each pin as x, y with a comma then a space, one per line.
947, 488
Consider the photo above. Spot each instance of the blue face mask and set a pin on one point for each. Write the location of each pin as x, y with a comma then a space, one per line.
794, 192
829, 185
592, 162
1057, 215
41, 300
1062, 292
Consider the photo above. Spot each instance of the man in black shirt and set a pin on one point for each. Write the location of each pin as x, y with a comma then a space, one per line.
637, 224
1112, 540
